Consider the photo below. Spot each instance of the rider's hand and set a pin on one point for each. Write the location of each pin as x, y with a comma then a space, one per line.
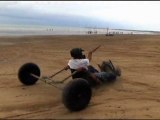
66, 67
80, 69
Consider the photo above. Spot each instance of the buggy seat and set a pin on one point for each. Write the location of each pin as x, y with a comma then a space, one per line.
85, 75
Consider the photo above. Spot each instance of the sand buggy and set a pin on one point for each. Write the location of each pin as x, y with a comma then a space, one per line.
76, 94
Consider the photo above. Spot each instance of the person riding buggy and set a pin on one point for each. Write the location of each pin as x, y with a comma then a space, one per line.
81, 64
76, 93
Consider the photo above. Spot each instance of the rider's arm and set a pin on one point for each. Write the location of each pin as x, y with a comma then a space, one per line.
90, 53
95, 78
90, 56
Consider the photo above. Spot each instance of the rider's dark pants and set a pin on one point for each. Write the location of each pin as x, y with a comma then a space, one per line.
105, 76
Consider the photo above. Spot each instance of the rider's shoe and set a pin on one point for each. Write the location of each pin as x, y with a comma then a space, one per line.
117, 71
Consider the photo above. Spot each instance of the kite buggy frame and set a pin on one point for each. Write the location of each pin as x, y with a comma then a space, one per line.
76, 94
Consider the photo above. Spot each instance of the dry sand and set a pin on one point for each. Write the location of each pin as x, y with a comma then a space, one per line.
136, 94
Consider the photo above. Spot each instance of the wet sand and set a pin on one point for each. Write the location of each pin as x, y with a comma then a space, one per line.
134, 95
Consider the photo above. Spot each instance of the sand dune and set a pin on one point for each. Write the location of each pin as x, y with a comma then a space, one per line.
134, 95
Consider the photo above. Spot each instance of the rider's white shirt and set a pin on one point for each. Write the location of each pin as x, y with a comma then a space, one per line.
77, 63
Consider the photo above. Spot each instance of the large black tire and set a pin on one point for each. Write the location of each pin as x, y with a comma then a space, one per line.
24, 73
76, 94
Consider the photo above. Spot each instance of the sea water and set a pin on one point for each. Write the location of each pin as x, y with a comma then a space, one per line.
21, 30
18, 30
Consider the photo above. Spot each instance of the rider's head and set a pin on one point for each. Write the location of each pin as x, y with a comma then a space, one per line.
76, 53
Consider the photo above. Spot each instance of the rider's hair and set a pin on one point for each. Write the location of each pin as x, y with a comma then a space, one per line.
76, 53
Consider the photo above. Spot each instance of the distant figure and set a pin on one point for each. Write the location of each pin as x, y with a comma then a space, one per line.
89, 32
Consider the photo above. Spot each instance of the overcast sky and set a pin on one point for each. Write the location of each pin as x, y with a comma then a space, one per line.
141, 15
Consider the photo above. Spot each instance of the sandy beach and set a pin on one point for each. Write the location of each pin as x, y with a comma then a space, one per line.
134, 95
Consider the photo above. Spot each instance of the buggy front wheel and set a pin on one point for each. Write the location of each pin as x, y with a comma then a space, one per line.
76, 94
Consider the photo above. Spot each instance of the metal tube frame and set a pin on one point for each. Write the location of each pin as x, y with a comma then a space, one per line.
50, 81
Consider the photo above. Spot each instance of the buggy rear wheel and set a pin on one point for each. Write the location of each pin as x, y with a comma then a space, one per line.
25, 71
76, 94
